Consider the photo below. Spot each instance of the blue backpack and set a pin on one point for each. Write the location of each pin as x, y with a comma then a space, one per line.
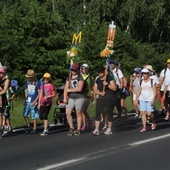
14, 85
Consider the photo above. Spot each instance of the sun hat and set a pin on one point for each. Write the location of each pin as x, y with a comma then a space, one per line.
100, 69
30, 73
47, 76
145, 70
85, 65
168, 61
150, 68
2, 69
75, 67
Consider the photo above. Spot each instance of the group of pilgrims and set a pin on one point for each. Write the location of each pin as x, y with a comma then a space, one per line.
108, 90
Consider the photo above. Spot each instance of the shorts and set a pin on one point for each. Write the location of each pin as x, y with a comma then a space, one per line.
77, 103
31, 109
145, 106
6, 112
44, 112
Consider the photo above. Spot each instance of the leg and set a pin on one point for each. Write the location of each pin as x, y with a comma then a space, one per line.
26, 114
79, 119
69, 117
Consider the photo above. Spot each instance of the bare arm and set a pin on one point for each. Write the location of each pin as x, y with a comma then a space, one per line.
3, 91
96, 91
78, 88
65, 91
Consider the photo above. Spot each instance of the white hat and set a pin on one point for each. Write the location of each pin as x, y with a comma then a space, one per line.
150, 68
85, 65
145, 70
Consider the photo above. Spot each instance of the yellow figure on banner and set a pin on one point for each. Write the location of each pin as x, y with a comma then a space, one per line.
77, 38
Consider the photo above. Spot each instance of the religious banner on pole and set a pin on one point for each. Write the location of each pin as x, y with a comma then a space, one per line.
108, 51
72, 54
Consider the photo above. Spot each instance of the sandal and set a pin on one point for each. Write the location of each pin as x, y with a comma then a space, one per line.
143, 130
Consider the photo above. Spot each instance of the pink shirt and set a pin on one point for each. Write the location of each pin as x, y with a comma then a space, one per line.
47, 90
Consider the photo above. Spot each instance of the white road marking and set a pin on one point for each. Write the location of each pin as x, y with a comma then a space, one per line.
149, 140
102, 153
62, 164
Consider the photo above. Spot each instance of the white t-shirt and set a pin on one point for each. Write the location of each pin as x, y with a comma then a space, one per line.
167, 77
146, 91
118, 74
155, 78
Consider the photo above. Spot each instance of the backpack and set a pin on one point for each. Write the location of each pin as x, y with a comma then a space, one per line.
14, 85
151, 82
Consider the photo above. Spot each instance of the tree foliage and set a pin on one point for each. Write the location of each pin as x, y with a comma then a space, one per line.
36, 34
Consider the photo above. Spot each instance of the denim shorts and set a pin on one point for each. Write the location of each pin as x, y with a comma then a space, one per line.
31, 109
145, 106
77, 103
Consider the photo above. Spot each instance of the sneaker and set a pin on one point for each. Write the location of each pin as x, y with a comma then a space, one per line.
137, 115
70, 132
2, 131
166, 118
77, 132
44, 133
108, 131
96, 132
143, 130
153, 126
104, 128
34, 131
83, 128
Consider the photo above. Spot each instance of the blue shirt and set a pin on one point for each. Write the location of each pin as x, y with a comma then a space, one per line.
32, 89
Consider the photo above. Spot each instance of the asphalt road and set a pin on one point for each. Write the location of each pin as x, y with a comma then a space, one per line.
126, 148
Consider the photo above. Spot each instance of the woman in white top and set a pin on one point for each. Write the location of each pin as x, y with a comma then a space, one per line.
146, 95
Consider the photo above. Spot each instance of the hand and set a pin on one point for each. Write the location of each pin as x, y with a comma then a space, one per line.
32, 104
105, 83
163, 98
65, 101
152, 102
68, 90
102, 93
38, 107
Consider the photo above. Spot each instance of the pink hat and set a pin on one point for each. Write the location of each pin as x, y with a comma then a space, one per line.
2, 70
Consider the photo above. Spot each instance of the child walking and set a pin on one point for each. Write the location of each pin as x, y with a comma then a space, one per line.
47, 92
10, 94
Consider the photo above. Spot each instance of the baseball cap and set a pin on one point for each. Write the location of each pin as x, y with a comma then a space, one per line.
85, 65
145, 70
100, 69
47, 76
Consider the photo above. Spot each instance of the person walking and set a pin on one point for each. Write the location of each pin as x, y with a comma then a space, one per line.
10, 94
88, 83
4, 84
74, 93
164, 77
146, 95
118, 75
47, 92
32, 89
134, 82
105, 87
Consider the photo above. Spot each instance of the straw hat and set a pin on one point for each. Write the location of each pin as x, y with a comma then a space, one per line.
30, 73
150, 68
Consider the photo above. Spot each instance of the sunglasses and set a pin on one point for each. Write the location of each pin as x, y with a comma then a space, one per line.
73, 70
